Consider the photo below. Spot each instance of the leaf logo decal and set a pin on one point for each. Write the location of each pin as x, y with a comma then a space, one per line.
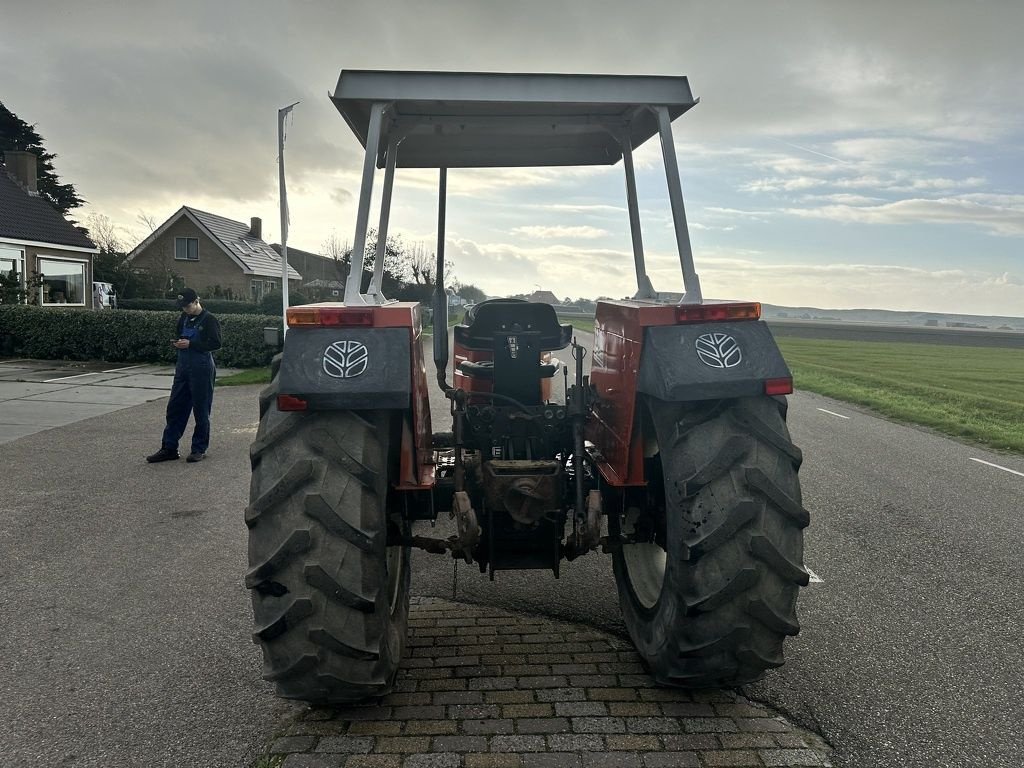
718, 350
345, 359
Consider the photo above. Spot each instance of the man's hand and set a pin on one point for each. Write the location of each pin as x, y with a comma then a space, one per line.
181, 344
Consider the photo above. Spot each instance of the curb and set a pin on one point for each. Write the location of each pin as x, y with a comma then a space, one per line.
482, 687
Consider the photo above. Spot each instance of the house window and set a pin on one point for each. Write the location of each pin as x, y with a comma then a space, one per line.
63, 281
256, 289
12, 266
186, 248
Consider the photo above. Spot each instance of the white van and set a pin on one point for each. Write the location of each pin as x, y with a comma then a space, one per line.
103, 296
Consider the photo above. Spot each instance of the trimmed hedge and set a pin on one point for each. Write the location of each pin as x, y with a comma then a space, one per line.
51, 333
217, 306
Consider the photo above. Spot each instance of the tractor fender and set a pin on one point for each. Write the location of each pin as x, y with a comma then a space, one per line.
705, 361
351, 368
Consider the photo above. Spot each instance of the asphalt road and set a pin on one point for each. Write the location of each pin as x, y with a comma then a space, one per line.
126, 625
911, 653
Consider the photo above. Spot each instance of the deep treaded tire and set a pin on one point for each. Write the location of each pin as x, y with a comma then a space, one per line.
713, 607
330, 599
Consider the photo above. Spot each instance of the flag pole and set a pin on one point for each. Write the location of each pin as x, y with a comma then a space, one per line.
281, 115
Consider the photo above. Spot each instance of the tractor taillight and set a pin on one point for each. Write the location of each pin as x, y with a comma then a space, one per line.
711, 313
329, 317
778, 386
290, 403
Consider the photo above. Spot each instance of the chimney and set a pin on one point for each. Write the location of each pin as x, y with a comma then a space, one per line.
22, 166
256, 227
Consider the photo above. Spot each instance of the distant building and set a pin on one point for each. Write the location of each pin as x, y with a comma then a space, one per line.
210, 251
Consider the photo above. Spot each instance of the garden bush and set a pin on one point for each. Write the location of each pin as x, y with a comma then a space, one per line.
51, 333
217, 306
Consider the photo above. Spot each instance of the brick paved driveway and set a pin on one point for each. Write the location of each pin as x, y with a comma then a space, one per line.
484, 688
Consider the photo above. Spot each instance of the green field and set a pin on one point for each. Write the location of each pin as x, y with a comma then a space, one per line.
973, 393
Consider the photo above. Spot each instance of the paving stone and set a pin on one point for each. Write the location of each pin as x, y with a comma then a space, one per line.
746, 740
430, 727
575, 742
733, 757
313, 761
492, 683
374, 761
789, 757
709, 725
555, 760
581, 708
473, 711
633, 743
560, 694
432, 760
598, 725
686, 709
517, 744
508, 697
374, 728
346, 744
419, 713
488, 727
542, 725
671, 760
458, 697
610, 760
635, 709
288, 744
534, 709
495, 761
460, 744
652, 725
406, 699
691, 741
790, 740
612, 694
760, 724
404, 743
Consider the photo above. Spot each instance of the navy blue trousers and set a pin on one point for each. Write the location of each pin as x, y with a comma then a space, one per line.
191, 392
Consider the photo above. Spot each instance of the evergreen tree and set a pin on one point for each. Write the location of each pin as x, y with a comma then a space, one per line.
16, 134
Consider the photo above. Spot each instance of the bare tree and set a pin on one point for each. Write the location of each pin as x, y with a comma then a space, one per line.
103, 232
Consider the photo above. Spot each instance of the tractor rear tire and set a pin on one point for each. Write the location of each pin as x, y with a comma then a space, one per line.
330, 597
710, 604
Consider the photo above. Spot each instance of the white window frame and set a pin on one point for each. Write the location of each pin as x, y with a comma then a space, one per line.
186, 239
19, 259
40, 257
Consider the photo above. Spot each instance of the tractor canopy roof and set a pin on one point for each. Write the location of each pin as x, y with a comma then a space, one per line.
477, 119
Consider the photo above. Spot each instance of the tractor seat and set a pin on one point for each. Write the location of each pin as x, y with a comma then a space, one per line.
504, 316
484, 369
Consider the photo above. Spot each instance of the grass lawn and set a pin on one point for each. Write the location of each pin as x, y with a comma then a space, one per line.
248, 376
967, 392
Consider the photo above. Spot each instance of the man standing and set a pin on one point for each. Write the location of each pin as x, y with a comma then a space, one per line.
198, 335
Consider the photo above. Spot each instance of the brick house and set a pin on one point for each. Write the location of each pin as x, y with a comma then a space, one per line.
218, 257
35, 237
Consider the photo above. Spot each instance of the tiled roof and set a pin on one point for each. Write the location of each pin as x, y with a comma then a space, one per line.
28, 217
256, 255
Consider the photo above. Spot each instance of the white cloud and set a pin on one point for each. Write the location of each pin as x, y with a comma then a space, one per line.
997, 219
552, 233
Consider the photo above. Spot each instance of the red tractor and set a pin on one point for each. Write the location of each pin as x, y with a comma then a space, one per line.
672, 455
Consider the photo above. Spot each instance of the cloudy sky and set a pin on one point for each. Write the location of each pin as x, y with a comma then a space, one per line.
844, 154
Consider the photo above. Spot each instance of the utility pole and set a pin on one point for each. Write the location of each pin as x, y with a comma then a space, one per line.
281, 115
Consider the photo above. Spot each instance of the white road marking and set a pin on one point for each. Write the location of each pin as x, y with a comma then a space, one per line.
989, 463
16, 360
127, 368
833, 413
815, 578
65, 378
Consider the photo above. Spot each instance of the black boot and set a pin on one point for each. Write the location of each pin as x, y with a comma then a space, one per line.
164, 454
